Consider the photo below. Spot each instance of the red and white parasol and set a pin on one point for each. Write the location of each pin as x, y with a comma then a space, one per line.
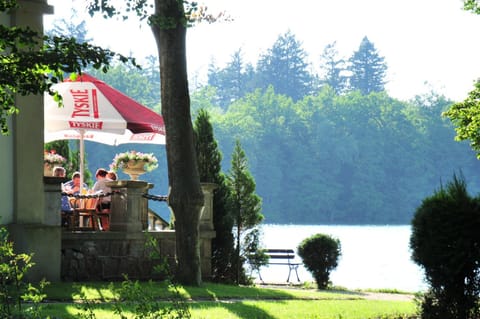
96, 112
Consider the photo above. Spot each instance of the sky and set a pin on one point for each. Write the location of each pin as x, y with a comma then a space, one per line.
427, 44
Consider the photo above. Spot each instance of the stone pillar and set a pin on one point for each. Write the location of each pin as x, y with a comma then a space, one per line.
207, 230
28, 228
128, 209
144, 216
206, 237
53, 200
6, 163
206, 218
27, 131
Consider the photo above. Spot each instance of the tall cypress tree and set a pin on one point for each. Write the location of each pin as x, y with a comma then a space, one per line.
209, 165
368, 69
246, 208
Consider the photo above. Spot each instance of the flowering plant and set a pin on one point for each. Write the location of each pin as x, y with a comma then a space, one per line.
52, 157
121, 160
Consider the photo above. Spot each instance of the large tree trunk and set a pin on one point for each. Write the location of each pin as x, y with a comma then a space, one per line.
185, 196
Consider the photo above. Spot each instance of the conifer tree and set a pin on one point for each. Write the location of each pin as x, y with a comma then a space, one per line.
246, 209
73, 27
209, 160
334, 69
233, 81
213, 74
368, 69
72, 157
285, 67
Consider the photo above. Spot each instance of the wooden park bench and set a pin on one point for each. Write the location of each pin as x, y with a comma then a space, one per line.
282, 257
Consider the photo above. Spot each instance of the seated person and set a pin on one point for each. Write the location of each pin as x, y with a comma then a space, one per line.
66, 211
112, 175
101, 187
71, 187
59, 171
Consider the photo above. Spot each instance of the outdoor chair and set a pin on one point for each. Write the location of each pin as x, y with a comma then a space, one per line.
103, 218
84, 216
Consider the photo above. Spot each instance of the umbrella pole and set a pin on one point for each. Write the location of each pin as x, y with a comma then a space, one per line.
82, 154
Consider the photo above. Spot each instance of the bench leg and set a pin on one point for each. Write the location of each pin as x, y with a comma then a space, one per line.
260, 275
296, 272
290, 268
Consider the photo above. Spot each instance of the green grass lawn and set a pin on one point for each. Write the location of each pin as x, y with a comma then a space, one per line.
66, 291
224, 301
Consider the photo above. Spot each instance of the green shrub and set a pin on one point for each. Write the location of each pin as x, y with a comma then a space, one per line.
18, 298
132, 296
320, 255
445, 241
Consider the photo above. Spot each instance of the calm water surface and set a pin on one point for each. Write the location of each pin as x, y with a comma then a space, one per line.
372, 256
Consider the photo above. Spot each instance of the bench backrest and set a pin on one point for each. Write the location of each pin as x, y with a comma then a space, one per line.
280, 253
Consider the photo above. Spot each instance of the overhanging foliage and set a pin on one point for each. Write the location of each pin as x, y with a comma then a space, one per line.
31, 63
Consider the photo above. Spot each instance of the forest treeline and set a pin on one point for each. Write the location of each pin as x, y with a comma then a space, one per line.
330, 147
351, 159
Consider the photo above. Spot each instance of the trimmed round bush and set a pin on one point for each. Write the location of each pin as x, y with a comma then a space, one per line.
320, 254
445, 242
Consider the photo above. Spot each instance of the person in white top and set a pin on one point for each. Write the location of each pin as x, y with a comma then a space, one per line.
101, 187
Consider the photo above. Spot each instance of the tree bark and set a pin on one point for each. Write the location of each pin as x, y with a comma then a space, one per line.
185, 195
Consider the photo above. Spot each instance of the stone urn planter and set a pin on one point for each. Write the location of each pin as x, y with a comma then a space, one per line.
134, 163
134, 169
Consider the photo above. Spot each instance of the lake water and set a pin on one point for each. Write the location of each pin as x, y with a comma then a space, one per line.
372, 256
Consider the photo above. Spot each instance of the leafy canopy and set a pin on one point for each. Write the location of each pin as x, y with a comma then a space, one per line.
193, 12
472, 5
31, 63
466, 115
466, 118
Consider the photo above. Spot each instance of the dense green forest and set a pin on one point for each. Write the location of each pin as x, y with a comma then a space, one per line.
325, 147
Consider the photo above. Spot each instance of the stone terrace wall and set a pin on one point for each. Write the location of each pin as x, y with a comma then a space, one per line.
106, 256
